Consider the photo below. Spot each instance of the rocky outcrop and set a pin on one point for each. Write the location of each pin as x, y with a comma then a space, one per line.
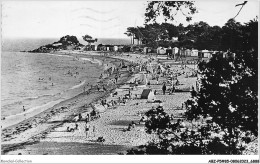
65, 43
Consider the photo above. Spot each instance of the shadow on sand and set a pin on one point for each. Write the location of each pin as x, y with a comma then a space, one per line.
70, 148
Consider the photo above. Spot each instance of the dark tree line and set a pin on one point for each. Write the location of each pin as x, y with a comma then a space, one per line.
222, 116
198, 35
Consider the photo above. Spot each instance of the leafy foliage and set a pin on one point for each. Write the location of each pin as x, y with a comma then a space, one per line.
231, 36
66, 42
222, 115
229, 87
199, 35
68, 39
169, 9
89, 39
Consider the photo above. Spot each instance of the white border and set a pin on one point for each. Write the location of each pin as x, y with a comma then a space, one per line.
126, 158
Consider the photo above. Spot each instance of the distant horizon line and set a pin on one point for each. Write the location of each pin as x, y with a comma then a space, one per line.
59, 37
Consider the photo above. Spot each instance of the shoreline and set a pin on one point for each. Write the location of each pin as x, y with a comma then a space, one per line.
68, 103
53, 138
73, 90
112, 124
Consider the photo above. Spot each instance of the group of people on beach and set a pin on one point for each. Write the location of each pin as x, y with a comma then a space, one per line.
160, 71
87, 120
93, 114
42, 79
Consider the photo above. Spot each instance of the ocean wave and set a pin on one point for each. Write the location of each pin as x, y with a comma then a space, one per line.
59, 55
38, 97
24, 100
79, 85
92, 61
31, 110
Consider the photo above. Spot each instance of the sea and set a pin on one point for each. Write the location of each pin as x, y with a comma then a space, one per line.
33, 80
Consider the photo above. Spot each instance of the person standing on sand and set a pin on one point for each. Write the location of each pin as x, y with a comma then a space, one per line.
173, 88
87, 129
164, 88
177, 82
116, 77
94, 130
23, 109
129, 92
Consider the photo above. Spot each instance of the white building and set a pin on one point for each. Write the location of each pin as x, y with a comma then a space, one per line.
206, 54
115, 48
175, 50
187, 52
194, 52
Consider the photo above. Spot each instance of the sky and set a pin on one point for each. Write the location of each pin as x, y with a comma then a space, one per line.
103, 19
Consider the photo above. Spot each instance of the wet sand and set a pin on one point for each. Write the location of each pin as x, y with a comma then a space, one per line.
29, 130
52, 138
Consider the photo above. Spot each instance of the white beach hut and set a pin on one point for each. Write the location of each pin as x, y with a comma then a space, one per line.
157, 50
175, 50
187, 52
57, 44
116, 48
161, 51
205, 54
194, 52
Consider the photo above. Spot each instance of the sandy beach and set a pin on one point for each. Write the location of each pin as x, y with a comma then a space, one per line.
50, 125
46, 133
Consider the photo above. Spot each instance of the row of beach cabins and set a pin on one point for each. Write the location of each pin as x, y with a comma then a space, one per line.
170, 52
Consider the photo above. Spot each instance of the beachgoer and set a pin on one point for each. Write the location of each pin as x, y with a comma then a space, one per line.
177, 82
173, 88
87, 129
116, 78
23, 109
129, 127
76, 126
102, 102
129, 92
87, 118
80, 117
142, 120
104, 88
94, 130
172, 117
133, 124
164, 88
